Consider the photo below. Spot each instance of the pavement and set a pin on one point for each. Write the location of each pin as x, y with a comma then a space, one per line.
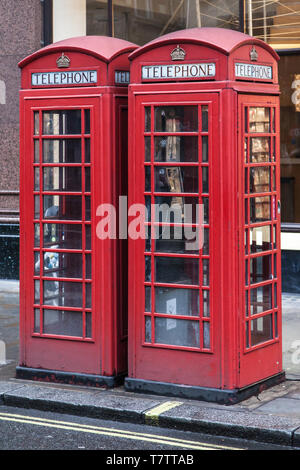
272, 416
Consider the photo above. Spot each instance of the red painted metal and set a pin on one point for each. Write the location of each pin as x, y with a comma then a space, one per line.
220, 357
72, 314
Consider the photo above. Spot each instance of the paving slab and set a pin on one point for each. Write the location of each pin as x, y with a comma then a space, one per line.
282, 407
247, 425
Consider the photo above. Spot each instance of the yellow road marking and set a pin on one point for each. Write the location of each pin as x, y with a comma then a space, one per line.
152, 416
112, 432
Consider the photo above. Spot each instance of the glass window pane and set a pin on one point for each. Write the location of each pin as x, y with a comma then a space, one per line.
60, 322
36, 207
87, 156
87, 123
177, 240
260, 209
148, 268
62, 122
88, 242
204, 148
261, 330
177, 332
259, 119
177, 301
205, 180
204, 118
68, 265
36, 151
36, 235
147, 178
88, 266
62, 293
261, 299
260, 149
36, 118
147, 119
87, 207
62, 179
36, 292
176, 118
260, 269
178, 209
147, 149
36, 179
147, 299
148, 325
88, 295
260, 238
62, 207
88, 324
36, 320
87, 172
260, 180
175, 148
62, 151
177, 270
206, 334
63, 236
175, 179
205, 301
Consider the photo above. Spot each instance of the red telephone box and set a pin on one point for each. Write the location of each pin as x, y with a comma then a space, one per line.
73, 140
205, 319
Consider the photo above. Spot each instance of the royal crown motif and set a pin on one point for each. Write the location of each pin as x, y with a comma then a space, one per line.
178, 53
253, 54
63, 61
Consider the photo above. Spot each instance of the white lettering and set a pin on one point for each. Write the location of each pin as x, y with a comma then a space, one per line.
174, 71
260, 72
77, 77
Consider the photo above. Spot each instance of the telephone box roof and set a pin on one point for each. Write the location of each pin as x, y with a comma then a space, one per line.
105, 48
224, 40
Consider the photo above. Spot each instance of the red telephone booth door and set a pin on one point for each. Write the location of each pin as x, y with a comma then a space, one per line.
174, 316
61, 327
259, 185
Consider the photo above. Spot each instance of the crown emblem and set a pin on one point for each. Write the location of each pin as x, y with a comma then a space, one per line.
253, 54
178, 53
63, 61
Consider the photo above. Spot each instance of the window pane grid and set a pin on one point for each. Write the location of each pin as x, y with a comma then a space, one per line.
154, 318
260, 217
64, 261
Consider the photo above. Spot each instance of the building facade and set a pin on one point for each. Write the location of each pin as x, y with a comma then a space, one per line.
26, 26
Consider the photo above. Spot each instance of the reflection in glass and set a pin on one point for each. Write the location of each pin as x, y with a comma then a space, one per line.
60, 322
261, 299
260, 269
204, 118
36, 151
260, 180
206, 334
63, 236
260, 238
36, 179
62, 122
88, 324
62, 207
261, 330
87, 153
147, 299
174, 301
148, 268
62, 151
147, 119
67, 265
87, 172
177, 270
88, 295
62, 293
176, 118
88, 266
62, 179
147, 149
88, 208
205, 274
175, 179
36, 118
148, 327
147, 178
87, 123
260, 209
36, 207
205, 182
177, 332
175, 148
259, 149
36, 320
259, 119
88, 244
177, 209
204, 148
170, 239
205, 301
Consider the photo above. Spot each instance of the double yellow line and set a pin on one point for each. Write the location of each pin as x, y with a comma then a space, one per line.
103, 431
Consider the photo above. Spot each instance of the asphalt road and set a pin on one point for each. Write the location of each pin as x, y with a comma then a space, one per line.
27, 429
